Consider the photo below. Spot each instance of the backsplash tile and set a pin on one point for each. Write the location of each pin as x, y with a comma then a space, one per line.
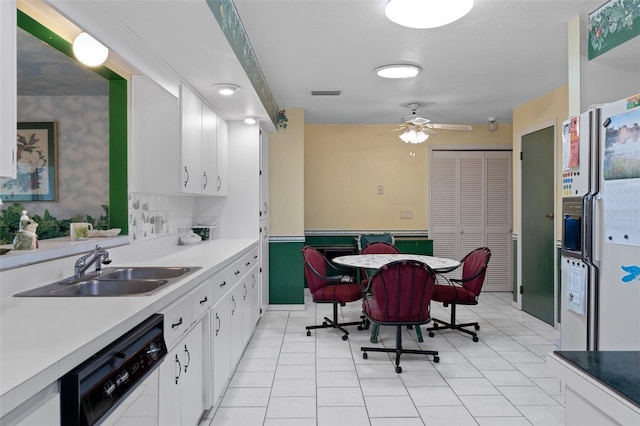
154, 216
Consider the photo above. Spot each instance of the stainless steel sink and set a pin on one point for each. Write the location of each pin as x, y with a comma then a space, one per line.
114, 282
136, 273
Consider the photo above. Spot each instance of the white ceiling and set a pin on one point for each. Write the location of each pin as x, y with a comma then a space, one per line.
503, 54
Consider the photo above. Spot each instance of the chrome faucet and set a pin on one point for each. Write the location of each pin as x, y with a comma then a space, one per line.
98, 256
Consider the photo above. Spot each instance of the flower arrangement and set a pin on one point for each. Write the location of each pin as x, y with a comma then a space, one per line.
282, 119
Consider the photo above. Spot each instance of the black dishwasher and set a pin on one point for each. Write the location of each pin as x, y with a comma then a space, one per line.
91, 391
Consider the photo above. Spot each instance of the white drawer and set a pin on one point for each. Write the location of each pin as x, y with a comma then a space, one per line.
250, 260
177, 320
236, 271
202, 299
221, 284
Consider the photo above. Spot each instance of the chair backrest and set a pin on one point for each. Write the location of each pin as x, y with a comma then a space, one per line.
380, 247
315, 268
474, 269
364, 240
402, 292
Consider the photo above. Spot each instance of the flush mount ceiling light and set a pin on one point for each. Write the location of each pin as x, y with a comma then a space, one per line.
426, 13
251, 120
398, 71
492, 125
226, 89
413, 136
89, 51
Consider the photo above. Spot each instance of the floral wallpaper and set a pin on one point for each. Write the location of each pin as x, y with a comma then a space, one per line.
82, 151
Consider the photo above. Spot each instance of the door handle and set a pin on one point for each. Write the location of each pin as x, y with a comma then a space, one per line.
549, 215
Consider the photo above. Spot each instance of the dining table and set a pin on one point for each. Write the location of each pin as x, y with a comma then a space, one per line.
376, 261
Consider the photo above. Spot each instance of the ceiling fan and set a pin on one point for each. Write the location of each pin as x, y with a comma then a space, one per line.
421, 123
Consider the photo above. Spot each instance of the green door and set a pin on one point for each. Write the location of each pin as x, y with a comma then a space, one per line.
537, 224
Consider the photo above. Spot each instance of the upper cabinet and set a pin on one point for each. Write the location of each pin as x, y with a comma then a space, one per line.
155, 138
203, 137
8, 111
222, 158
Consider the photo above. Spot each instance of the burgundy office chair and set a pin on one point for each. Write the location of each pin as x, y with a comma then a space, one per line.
463, 291
402, 293
336, 289
378, 247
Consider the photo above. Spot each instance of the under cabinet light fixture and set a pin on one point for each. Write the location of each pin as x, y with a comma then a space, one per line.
89, 51
226, 89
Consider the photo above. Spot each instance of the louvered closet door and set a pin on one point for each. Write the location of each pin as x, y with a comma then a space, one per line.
471, 208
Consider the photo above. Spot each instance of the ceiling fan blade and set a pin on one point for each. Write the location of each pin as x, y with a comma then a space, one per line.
397, 129
450, 126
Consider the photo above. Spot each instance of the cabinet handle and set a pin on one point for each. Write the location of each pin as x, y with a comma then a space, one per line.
179, 368
254, 280
247, 264
206, 180
219, 183
236, 273
224, 283
255, 256
219, 324
177, 324
186, 172
204, 300
244, 296
233, 310
188, 363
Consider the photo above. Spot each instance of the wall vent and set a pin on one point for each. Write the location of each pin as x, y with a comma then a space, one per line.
326, 92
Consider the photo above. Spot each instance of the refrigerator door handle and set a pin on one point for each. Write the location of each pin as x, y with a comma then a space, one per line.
587, 229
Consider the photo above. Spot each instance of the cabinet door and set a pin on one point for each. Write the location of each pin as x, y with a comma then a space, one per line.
209, 155
170, 401
8, 111
251, 305
155, 150
222, 157
221, 338
190, 141
192, 384
238, 295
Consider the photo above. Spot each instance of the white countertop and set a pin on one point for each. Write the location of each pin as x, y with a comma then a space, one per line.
42, 338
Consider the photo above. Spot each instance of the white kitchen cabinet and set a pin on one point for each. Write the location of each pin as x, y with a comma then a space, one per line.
8, 109
236, 343
190, 141
155, 149
201, 157
221, 341
222, 158
181, 381
251, 304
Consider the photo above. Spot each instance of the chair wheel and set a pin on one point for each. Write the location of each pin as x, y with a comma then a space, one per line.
436, 358
345, 337
365, 355
324, 323
308, 332
360, 328
431, 334
475, 338
477, 327
435, 325
398, 369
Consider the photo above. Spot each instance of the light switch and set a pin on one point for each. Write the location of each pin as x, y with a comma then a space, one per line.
380, 190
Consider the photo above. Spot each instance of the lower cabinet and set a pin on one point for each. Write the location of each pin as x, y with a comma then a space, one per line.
221, 342
181, 381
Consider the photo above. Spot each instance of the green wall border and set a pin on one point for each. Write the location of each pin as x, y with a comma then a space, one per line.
118, 204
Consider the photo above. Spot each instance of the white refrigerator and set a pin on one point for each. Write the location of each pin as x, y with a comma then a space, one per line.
600, 261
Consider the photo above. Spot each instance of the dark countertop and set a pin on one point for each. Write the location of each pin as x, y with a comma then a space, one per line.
618, 370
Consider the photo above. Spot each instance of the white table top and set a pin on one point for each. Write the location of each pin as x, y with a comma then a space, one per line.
376, 261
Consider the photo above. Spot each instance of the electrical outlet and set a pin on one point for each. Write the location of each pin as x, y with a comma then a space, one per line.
405, 214
380, 190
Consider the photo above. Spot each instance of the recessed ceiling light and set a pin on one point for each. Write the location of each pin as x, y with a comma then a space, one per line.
426, 13
89, 51
226, 89
251, 120
398, 71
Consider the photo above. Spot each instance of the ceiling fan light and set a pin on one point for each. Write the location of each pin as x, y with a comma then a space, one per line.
411, 136
398, 71
426, 13
89, 51
226, 89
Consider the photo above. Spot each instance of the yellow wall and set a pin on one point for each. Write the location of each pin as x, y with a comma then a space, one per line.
547, 110
345, 164
286, 177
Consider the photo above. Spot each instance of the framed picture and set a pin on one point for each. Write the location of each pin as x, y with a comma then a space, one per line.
36, 177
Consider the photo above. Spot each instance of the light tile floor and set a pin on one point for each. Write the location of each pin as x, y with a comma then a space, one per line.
288, 378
